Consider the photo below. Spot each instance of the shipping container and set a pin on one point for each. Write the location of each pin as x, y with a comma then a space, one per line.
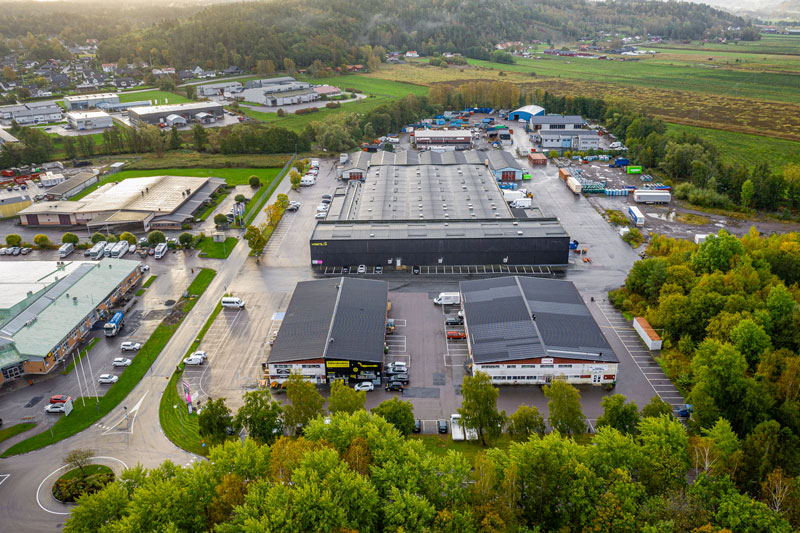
650, 338
652, 196
564, 173
537, 159
574, 185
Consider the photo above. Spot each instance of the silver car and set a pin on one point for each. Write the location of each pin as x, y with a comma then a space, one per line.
107, 379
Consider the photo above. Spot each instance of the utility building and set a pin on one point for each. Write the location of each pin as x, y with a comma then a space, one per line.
443, 139
158, 114
524, 330
89, 120
333, 329
87, 101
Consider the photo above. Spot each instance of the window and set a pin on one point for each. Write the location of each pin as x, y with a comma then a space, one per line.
546, 366
527, 366
283, 366
511, 366
490, 366
564, 366
310, 366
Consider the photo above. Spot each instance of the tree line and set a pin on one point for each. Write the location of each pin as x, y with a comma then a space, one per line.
359, 471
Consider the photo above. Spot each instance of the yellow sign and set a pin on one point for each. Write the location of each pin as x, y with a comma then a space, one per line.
323, 243
338, 364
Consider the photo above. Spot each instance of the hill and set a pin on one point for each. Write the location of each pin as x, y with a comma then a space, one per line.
335, 31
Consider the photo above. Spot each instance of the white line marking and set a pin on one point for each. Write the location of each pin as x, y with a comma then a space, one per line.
54, 472
5, 477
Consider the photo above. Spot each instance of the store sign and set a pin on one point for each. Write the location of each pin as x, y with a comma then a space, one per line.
322, 243
601, 368
337, 364
547, 361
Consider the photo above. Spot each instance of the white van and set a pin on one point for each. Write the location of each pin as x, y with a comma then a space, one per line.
234, 303
161, 250
65, 249
448, 298
307, 181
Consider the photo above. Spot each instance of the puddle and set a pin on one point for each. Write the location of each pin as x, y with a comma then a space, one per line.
668, 217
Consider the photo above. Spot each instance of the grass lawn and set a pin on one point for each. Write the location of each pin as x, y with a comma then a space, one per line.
180, 427
140, 292
184, 159
162, 97
298, 122
214, 203
232, 176
442, 443
744, 148
12, 431
83, 352
217, 250
83, 416
369, 85
149, 281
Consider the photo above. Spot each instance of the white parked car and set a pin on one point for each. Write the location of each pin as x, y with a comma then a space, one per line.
365, 386
202, 355
107, 378
322, 207
129, 346
121, 361
193, 360
362, 269
321, 214
145, 268
54, 408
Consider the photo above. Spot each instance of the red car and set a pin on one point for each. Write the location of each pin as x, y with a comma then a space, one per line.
60, 398
456, 335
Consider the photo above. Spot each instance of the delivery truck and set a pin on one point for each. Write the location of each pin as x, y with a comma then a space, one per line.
448, 298
651, 196
522, 203
635, 215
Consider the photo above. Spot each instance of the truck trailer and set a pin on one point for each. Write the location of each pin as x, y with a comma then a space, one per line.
651, 196
113, 326
574, 185
635, 215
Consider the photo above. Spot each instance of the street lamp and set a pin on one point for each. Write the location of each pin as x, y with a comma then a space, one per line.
181, 416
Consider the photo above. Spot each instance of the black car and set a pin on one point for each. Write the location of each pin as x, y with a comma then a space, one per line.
345, 270
379, 270
442, 426
417, 425
402, 378
394, 385
415, 270
453, 321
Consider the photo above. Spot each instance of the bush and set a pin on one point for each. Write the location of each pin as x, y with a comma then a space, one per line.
68, 490
699, 196
13, 239
128, 236
306, 111
282, 201
186, 239
255, 183
333, 105
70, 238
111, 238
220, 219
634, 237
42, 241
97, 237
240, 198
281, 112
186, 226
156, 237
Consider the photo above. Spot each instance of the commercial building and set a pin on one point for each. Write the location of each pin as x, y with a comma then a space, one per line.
556, 122
139, 204
47, 309
87, 101
409, 208
12, 202
526, 113
327, 90
567, 139
7, 138
524, 330
443, 139
158, 114
281, 91
31, 113
503, 166
89, 120
333, 329
217, 89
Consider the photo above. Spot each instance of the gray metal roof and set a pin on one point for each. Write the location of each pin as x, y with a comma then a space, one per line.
568, 133
350, 311
75, 181
364, 160
499, 315
556, 119
331, 230
500, 159
194, 202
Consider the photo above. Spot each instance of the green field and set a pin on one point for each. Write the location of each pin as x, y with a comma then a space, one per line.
654, 73
746, 149
163, 97
769, 44
217, 250
368, 85
232, 176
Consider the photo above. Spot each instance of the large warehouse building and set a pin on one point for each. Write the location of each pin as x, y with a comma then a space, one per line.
333, 329
158, 114
139, 204
523, 330
86, 101
48, 309
443, 139
89, 120
432, 209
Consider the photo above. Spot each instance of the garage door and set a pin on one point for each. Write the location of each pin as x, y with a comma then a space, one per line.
508, 175
33, 220
64, 220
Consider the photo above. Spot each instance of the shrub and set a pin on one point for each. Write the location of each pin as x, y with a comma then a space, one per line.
220, 219
128, 236
186, 226
156, 237
97, 237
186, 239
699, 196
306, 111
281, 112
634, 237
333, 105
70, 238
13, 239
111, 238
42, 241
255, 183
240, 198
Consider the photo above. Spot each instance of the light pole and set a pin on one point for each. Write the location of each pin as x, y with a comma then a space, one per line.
181, 416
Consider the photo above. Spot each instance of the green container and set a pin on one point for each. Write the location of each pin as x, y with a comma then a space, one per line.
526, 177
634, 170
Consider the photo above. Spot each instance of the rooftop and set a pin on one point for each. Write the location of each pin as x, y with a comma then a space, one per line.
160, 194
338, 318
515, 318
330, 230
75, 181
80, 115
174, 108
84, 97
532, 109
7, 137
17, 278
50, 318
556, 119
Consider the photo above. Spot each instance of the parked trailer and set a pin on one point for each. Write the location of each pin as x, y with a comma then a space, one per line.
656, 196
647, 333
619, 163
617, 192
117, 251
97, 250
635, 215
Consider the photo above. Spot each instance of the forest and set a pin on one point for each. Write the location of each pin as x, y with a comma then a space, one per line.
335, 31
355, 471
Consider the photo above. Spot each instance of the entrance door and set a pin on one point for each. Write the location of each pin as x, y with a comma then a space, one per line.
33, 220
508, 175
548, 379
596, 378
64, 220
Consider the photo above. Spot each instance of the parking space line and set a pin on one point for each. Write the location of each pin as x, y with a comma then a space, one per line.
4, 477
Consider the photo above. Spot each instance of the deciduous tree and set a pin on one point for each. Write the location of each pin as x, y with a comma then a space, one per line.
564, 406
397, 412
524, 422
79, 458
304, 404
261, 416
255, 240
619, 415
479, 406
214, 420
344, 399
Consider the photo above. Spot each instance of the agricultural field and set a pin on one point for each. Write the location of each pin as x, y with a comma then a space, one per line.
161, 97
232, 176
746, 149
769, 44
705, 108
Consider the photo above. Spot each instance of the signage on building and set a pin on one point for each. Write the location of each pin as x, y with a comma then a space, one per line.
599, 368
547, 360
337, 364
186, 391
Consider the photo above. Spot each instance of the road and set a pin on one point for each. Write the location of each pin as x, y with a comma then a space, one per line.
138, 440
